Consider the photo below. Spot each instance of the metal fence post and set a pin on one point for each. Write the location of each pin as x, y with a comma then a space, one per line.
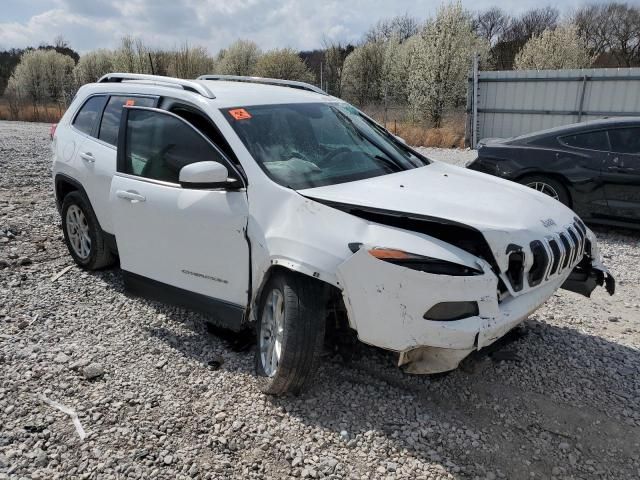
474, 115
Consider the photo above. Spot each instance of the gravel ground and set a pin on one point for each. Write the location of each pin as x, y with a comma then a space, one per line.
159, 396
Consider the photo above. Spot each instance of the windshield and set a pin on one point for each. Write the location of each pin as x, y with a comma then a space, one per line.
308, 145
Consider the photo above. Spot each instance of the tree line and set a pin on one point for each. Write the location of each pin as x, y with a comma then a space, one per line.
420, 66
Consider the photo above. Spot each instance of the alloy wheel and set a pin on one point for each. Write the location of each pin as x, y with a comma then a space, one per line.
544, 188
78, 232
272, 332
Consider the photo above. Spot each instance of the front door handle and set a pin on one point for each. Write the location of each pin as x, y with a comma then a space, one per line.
87, 156
133, 197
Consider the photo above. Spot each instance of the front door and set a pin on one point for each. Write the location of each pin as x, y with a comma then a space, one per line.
621, 174
189, 241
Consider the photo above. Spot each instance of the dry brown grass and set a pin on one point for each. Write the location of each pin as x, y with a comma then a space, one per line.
27, 113
449, 135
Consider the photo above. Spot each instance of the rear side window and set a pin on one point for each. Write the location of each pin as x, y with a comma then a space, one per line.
89, 112
111, 117
589, 141
158, 145
625, 140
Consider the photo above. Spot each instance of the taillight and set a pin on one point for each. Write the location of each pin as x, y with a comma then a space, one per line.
52, 130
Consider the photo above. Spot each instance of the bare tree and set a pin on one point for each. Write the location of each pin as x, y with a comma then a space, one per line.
189, 62
625, 32
400, 28
536, 21
491, 24
594, 25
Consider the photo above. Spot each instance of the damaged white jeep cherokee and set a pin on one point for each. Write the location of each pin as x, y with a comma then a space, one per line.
269, 204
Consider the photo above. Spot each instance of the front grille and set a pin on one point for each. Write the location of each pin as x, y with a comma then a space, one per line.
552, 256
565, 249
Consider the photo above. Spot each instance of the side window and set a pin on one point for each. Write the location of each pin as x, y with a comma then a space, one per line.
625, 140
89, 113
590, 141
158, 145
111, 117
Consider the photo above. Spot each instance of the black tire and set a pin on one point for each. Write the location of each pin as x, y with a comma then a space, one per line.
99, 256
304, 303
562, 193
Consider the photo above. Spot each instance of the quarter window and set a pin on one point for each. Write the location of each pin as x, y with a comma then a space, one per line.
89, 113
589, 141
158, 145
111, 118
625, 140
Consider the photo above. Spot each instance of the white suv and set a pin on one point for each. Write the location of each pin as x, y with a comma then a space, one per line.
271, 205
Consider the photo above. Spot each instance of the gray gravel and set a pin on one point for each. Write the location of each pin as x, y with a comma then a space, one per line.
160, 397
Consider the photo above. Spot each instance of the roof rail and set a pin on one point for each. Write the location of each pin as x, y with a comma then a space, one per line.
266, 81
188, 85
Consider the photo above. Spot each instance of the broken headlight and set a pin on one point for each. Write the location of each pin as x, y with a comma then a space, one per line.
419, 262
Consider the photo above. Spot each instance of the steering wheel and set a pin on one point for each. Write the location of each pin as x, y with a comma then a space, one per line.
335, 153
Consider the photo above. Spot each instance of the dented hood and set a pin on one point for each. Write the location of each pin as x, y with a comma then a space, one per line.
503, 211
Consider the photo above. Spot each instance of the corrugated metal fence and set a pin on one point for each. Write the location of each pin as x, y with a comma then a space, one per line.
510, 103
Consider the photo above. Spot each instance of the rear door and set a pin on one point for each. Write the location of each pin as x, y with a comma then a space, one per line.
622, 173
99, 153
186, 238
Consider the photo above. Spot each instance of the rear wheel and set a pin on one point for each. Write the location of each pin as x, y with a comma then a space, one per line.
82, 233
291, 330
548, 186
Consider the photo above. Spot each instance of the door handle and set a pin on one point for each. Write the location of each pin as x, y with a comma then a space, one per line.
133, 197
87, 156
620, 169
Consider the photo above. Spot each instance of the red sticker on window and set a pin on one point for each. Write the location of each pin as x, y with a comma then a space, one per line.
130, 103
240, 114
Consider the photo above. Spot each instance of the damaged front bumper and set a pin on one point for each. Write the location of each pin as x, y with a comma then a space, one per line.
387, 306
588, 275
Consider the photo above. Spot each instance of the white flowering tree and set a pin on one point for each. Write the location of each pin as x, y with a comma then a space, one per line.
42, 76
92, 66
554, 49
362, 74
442, 61
283, 63
240, 58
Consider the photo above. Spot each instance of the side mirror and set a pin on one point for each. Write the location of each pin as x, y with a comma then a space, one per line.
400, 139
204, 175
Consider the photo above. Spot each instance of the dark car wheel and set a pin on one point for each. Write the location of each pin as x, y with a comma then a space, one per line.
290, 333
82, 233
548, 186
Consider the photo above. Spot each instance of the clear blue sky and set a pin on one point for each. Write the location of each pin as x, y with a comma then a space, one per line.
300, 24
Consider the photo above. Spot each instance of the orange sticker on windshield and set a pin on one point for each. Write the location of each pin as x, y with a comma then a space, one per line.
130, 103
240, 114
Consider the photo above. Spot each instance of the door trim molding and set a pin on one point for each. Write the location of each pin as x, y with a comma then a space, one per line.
219, 312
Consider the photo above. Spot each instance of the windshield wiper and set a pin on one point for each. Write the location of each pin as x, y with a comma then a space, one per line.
388, 161
366, 137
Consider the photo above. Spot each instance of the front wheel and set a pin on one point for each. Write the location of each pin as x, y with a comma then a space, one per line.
290, 333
